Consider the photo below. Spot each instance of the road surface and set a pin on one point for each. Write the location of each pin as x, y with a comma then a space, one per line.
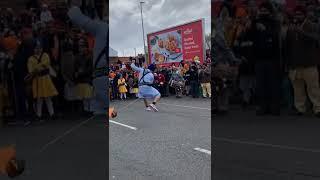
174, 143
247, 147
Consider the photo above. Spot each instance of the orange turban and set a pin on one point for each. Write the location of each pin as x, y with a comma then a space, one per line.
241, 12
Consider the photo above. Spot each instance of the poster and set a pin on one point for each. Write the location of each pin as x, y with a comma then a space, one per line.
172, 45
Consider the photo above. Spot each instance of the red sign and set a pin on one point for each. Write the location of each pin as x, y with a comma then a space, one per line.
172, 45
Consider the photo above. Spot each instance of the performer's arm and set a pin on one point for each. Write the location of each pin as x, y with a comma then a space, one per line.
83, 21
135, 68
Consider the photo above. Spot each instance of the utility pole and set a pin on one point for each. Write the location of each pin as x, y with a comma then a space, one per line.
144, 45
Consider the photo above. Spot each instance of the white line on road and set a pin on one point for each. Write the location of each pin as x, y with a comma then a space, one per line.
192, 107
124, 125
203, 150
64, 134
234, 141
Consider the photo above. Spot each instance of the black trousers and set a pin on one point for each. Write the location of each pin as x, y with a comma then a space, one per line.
194, 91
268, 86
21, 97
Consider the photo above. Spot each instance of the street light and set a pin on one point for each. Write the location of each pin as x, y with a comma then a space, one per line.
144, 45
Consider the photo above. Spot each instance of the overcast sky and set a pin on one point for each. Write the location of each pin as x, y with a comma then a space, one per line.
125, 20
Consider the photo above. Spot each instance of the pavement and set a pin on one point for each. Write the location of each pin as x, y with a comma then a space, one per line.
174, 143
62, 149
247, 147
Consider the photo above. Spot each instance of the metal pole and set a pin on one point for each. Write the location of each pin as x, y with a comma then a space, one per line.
135, 52
144, 46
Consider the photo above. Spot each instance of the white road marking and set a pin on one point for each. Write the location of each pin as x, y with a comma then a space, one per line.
65, 134
192, 107
203, 150
124, 125
267, 145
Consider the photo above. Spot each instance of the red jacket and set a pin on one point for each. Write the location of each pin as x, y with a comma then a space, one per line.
161, 78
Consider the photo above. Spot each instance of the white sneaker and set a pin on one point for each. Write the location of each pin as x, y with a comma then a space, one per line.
153, 107
148, 109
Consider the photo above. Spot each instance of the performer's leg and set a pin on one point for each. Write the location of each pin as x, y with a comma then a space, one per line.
146, 102
153, 105
156, 99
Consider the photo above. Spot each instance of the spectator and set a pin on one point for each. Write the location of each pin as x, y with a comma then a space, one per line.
204, 78
42, 86
303, 34
45, 15
267, 55
122, 87
194, 81
82, 78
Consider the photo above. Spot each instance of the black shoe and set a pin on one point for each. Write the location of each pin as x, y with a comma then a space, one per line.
178, 97
296, 113
244, 105
261, 112
39, 120
52, 118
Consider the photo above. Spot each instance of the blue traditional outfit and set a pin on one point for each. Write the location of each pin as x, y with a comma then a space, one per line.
146, 78
99, 29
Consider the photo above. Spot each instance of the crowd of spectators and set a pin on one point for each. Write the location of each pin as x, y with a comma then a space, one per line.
43, 58
183, 79
267, 55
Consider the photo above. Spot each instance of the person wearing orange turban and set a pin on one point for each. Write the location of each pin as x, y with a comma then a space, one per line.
241, 12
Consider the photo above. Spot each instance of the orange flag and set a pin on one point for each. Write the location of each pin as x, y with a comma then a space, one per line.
6, 154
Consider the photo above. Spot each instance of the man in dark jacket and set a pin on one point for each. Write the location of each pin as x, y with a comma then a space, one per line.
194, 81
302, 58
266, 47
25, 50
205, 77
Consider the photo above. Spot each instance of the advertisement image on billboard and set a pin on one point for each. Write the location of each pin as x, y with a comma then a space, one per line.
172, 45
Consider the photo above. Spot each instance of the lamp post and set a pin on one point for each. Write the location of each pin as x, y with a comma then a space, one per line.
144, 45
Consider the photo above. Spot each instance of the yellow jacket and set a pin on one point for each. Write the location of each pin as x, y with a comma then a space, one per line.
42, 85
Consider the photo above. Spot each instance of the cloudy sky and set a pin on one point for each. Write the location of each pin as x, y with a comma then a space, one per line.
125, 20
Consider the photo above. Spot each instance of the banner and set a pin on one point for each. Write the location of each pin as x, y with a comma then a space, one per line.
172, 45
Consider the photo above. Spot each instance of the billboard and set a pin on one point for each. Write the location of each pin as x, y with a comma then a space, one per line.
172, 45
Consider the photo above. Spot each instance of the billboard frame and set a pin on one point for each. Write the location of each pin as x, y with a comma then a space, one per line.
202, 20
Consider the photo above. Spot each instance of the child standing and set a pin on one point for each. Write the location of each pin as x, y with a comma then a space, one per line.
135, 87
122, 87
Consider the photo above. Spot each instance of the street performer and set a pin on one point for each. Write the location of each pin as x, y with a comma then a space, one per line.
146, 91
99, 29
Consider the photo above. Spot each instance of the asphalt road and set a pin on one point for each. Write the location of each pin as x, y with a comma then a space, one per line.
61, 149
249, 147
161, 145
